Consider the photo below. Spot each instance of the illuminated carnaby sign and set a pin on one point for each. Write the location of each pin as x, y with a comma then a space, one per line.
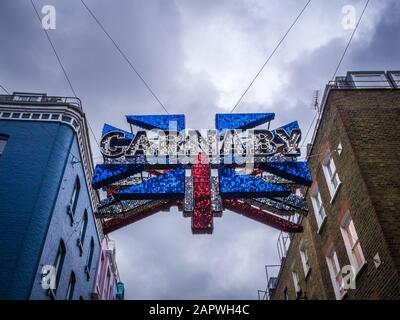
241, 165
219, 145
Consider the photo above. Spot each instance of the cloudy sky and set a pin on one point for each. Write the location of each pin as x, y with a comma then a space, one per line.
198, 56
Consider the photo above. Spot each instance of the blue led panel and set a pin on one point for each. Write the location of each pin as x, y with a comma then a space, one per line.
288, 128
169, 185
104, 174
298, 172
158, 122
232, 184
241, 120
107, 128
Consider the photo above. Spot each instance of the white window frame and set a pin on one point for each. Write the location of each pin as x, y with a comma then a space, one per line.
318, 206
352, 242
335, 272
331, 175
296, 282
305, 261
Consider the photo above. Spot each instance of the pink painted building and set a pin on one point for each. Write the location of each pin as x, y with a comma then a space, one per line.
108, 285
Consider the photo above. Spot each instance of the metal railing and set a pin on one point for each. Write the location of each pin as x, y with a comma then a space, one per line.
343, 83
391, 82
272, 282
34, 98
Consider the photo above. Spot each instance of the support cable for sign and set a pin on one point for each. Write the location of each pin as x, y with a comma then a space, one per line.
270, 56
309, 129
124, 56
337, 68
55, 51
4, 89
349, 42
62, 66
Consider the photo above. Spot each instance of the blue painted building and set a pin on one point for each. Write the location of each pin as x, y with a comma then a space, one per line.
47, 223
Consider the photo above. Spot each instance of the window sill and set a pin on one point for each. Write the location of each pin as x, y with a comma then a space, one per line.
321, 226
333, 196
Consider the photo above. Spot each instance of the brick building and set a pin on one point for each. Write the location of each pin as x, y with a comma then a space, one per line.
350, 247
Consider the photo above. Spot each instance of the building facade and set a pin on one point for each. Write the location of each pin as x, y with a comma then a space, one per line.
350, 245
108, 284
48, 229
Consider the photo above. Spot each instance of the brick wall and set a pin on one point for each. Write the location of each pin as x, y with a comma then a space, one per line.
363, 121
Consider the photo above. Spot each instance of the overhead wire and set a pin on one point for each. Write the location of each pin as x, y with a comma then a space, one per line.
124, 56
55, 51
270, 56
4, 89
340, 61
350, 40
61, 66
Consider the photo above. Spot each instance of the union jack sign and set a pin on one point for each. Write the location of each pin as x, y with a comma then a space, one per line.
241, 165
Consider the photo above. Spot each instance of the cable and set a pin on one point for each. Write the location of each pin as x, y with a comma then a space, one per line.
123, 55
351, 38
271, 55
316, 155
341, 60
309, 128
62, 67
4, 89
55, 51
94, 136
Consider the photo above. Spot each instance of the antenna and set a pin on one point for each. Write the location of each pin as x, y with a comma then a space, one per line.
315, 100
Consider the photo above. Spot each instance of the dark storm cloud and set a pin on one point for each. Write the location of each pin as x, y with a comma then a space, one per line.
198, 56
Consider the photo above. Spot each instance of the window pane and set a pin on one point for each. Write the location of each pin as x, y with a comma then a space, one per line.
90, 256
317, 200
329, 167
352, 244
304, 260
3, 143
83, 227
296, 281
58, 263
335, 182
332, 164
71, 287
318, 207
321, 213
352, 231
75, 195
